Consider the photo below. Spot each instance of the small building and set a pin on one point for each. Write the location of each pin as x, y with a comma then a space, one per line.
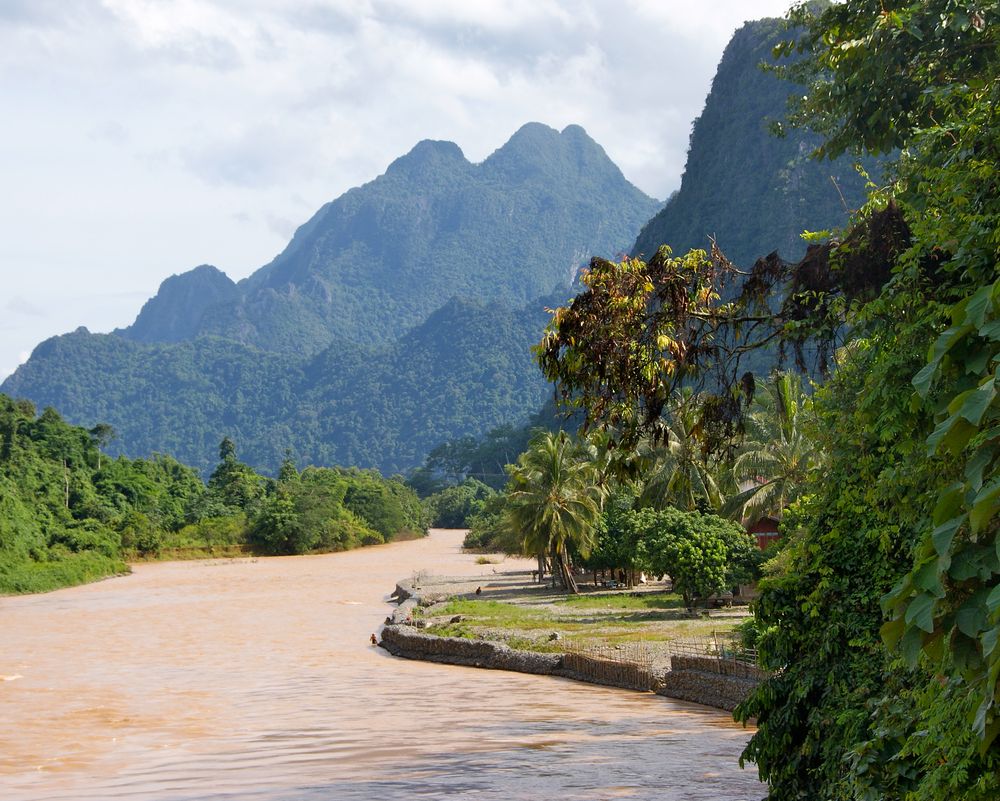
765, 531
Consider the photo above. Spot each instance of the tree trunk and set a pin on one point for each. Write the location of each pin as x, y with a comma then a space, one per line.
541, 566
561, 566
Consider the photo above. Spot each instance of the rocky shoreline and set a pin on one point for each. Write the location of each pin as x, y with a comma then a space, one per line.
697, 679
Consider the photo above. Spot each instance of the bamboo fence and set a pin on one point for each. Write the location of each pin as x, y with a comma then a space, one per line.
723, 649
628, 665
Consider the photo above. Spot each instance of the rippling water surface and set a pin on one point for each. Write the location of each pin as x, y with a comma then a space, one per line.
254, 679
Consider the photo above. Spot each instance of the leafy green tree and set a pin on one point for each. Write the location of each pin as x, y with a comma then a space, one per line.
278, 527
879, 74
554, 501
140, 534
454, 506
423, 481
687, 547
683, 474
778, 454
227, 450
615, 546
103, 435
288, 471
371, 499
235, 484
490, 529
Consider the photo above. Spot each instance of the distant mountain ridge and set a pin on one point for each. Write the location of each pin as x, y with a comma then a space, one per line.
465, 370
382, 257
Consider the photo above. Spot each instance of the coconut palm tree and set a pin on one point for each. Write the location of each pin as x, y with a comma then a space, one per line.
681, 475
777, 456
554, 499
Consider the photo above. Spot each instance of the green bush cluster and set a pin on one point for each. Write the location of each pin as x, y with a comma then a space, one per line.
702, 553
454, 507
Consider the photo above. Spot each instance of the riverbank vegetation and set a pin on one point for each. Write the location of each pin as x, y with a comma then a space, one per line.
667, 507
880, 618
69, 514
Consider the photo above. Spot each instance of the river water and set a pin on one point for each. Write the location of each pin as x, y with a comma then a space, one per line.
255, 679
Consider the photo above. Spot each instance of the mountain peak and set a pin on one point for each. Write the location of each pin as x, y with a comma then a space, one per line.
533, 133
536, 148
175, 312
537, 137
428, 154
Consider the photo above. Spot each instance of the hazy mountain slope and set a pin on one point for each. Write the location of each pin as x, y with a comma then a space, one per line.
179, 399
467, 369
379, 259
754, 192
175, 313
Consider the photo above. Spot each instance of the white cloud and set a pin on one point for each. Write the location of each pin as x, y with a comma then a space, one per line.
22, 306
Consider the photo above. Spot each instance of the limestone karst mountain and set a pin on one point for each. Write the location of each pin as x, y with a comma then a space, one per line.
400, 315
752, 191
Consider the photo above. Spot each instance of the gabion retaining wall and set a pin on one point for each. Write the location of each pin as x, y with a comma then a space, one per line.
713, 682
711, 664
410, 643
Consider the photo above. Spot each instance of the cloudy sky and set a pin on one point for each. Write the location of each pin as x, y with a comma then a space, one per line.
141, 138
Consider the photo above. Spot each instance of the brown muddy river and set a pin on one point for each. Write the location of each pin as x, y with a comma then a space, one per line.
255, 679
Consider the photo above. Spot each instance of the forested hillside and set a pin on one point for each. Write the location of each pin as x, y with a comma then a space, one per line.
467, 369
754, 192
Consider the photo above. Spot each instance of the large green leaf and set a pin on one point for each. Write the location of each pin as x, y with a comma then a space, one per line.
971, 618
920, 612
923, 379
993, 599
972, 405
985, 506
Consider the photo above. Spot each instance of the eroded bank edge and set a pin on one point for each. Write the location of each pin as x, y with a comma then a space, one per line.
700, 680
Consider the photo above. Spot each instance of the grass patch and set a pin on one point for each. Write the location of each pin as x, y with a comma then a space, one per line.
453, 630
622, 601
606, 619
487, 560
497, 612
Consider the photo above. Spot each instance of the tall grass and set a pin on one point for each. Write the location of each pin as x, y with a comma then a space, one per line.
66, 571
